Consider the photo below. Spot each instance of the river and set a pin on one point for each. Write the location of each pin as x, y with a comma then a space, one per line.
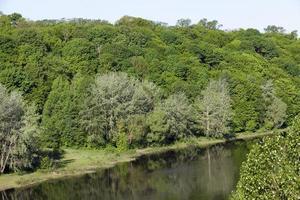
189, 174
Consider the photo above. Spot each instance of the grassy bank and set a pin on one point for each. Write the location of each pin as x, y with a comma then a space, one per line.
80, 161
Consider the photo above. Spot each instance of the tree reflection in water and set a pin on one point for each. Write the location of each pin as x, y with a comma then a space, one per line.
193, 173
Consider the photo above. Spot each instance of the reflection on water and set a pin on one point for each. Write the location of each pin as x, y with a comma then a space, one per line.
192, 173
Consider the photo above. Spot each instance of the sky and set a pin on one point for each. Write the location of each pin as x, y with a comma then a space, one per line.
232, 14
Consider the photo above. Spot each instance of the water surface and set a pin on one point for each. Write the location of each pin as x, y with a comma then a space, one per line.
189, 174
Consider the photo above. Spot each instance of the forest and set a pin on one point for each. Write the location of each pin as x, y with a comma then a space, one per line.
79, 83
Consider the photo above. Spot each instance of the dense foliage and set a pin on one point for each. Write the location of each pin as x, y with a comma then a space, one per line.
272, 170
19, 143
115, 101
214, 108
138, 82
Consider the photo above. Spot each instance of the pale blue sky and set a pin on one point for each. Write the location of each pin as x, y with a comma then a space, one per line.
231, 13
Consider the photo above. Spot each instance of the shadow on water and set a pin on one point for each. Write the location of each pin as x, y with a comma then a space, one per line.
193, 173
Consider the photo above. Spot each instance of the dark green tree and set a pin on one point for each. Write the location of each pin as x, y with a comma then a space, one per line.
56, 120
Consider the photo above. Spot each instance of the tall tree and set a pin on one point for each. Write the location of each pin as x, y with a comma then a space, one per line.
275, 108
171, 120
114, 97
18, 133
274, 29
56, 119
214, 108
213, 25
183, 22
79, 92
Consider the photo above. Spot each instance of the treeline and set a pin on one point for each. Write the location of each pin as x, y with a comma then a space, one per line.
137, 82
119, 110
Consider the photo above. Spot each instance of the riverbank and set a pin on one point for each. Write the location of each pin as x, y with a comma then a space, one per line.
76, 162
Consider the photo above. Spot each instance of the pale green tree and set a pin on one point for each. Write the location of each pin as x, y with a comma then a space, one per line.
275, 108
19, 133
214, 108
114, 98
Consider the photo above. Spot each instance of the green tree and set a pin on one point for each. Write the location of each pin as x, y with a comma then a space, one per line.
183, 22
246, 102
137, 130
19, 133
272, 168
79, 92
214, 108
274, 29
82, 56
56, 120
171, 120
275, 108
214, 24
114, 97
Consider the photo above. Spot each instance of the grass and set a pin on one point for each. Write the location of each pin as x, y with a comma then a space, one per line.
81, 161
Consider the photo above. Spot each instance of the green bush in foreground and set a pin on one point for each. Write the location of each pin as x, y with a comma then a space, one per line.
272, 169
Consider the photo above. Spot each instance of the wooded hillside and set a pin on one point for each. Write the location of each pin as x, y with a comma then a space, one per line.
138, 82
